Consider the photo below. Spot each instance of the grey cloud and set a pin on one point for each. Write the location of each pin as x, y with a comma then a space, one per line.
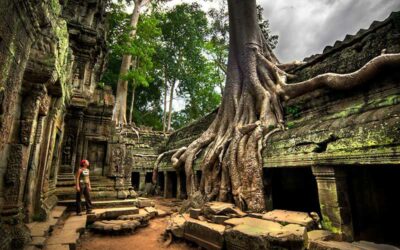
305, 27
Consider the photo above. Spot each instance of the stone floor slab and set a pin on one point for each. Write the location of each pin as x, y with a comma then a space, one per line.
253, 233
290, 217
58, 211
205, 234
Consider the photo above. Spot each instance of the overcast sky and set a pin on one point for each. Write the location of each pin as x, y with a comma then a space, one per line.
305, 27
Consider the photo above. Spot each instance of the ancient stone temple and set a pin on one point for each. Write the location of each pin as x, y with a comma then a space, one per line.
51, 55
337, 162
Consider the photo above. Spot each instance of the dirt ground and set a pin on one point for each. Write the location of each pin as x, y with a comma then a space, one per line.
147, 238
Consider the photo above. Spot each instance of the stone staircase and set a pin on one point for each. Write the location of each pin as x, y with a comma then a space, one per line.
62, 231
41, 230
103, 188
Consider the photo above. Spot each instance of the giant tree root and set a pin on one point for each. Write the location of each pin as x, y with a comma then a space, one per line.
250, 112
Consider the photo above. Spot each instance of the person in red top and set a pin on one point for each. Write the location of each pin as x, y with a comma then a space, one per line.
83, 186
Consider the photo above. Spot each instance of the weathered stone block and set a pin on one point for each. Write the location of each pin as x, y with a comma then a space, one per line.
252, 233
285, 217
161, 213
195, 213
255, 215
116, 212
323, 235
122, 194
219, 219
144, 202
221, 208
205, 234
176, 225
152, 211
340, 245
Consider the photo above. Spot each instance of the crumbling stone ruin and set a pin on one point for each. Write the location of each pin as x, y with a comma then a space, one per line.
335, 166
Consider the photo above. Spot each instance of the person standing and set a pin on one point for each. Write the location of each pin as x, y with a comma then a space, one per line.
83, 186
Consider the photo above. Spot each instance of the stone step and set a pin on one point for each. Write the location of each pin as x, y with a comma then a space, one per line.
67, 237
41, 230
100, 203
120, 220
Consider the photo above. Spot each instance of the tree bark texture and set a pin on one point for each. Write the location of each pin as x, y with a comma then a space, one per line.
119, 112
171, 99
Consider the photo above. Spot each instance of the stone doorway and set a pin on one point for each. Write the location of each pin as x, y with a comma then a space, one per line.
148, 178
373, 192
135, 180
171, 186
160, 181
293, 189
96, 154
182, 179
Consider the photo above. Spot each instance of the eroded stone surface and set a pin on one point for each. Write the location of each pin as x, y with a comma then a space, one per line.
338, 245
152, 211
176, 225
205, 234
290, 217
320, 235
144, 202
195, 213
252, 233
220, 208
107, 226
162, 213
73, 227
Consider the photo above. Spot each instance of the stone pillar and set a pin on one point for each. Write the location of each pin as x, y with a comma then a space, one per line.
334, 200
78, 147
142, 181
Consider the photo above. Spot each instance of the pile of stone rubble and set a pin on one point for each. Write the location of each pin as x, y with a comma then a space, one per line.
223, 226
123, 220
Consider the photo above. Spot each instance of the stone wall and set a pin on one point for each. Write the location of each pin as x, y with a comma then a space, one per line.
41, 48
356, 126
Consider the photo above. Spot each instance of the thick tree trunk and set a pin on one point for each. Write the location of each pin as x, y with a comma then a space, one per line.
250, 112
171, 99
119, 113
132, 104
165, 101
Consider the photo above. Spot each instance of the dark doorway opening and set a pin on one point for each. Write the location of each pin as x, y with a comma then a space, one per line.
171, 185
373, 192
148, 178
160, 181
135, 180
182, 177
293, 189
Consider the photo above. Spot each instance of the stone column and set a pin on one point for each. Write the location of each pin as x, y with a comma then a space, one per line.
78, 147
142, 181
334, 200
